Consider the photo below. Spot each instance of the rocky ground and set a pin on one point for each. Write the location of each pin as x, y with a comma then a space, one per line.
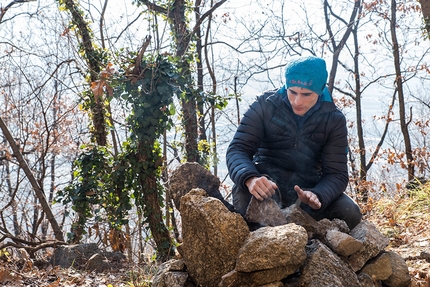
405, 220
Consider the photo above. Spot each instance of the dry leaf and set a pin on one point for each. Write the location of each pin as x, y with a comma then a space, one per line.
55, 284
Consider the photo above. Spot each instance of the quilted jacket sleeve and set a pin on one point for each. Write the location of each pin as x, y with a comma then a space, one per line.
334, 166
245, 144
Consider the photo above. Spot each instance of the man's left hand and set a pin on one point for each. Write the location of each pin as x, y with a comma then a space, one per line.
308, 197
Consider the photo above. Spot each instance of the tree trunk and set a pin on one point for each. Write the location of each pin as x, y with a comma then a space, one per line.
151, 207
58, 233
200, 102
425, 9
399, 86
358, 113
182, 39
154, 217
98, 111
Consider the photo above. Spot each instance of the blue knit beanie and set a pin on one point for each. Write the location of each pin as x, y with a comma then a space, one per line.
307, 72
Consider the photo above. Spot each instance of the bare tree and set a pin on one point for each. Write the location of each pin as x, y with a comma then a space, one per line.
3, 10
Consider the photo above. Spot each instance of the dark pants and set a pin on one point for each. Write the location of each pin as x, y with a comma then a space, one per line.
343, 207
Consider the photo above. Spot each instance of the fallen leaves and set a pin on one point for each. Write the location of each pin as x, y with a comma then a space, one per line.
58, 277
6, 276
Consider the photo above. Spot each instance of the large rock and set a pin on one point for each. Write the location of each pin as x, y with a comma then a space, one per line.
272, 247
373, 243
86, 257
97, 263
190, 175
323, 268
212, 237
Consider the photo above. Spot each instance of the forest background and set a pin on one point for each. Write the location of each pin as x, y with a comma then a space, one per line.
101, 100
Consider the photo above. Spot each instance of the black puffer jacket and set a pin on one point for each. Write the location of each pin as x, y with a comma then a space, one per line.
270, 141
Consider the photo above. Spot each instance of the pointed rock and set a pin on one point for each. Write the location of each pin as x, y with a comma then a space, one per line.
190, 175
400, 276
379, 268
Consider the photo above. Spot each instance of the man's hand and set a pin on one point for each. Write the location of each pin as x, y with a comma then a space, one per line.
261, 187
308, 197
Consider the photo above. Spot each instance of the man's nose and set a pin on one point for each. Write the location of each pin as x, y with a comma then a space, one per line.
298, 100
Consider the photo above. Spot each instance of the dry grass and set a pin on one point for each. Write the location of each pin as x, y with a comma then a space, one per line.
404, 217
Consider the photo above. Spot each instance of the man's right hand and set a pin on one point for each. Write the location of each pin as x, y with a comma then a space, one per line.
261, 187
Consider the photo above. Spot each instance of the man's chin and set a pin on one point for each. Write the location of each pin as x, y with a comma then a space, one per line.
300, 113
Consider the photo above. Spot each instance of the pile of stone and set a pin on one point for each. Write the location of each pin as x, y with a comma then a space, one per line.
288, 248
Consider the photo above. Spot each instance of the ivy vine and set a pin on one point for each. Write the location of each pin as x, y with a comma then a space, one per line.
104, 184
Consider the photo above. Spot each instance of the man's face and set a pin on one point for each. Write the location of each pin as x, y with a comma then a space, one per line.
301, 99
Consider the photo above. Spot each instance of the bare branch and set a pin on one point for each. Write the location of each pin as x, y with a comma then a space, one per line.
207, 14
4, 10
102, 18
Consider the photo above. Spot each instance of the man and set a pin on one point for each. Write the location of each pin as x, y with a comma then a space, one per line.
292, 143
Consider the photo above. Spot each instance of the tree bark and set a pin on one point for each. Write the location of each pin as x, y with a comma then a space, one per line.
182, 38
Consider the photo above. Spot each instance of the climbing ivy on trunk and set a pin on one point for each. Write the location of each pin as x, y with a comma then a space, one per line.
102, 181
149, 90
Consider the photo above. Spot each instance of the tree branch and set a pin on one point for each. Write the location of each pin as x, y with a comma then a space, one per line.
207, 14
154, 7
4, 10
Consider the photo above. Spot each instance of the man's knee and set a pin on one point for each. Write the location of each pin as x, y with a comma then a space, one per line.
241, 199
354, 216
349, 211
